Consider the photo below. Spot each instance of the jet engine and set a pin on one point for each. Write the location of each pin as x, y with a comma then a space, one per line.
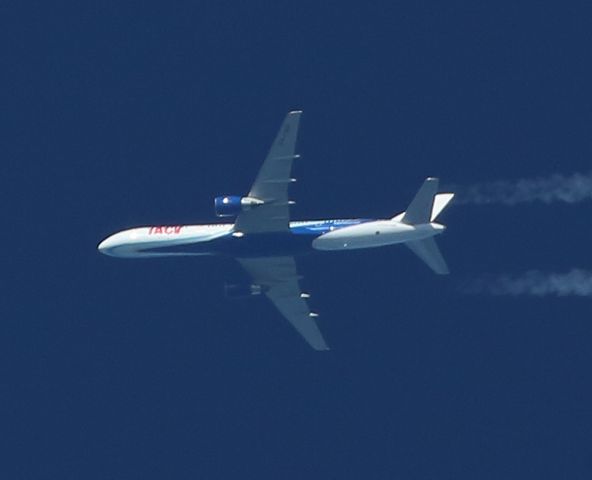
243, 291
232, 205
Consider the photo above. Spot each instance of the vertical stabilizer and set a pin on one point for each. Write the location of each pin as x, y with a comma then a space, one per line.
420, 209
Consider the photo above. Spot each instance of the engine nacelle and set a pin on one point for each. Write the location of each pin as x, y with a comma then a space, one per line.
243, 291
232, 205
227, 206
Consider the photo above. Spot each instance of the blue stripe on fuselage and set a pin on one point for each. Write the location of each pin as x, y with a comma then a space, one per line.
323, 226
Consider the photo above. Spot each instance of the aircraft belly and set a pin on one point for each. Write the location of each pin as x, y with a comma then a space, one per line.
255, 245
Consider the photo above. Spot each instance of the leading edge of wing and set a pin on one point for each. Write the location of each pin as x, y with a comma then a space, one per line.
271, 183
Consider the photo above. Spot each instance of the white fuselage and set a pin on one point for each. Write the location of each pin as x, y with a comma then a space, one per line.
183, 240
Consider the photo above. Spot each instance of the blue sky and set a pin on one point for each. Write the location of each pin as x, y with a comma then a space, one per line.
128, 113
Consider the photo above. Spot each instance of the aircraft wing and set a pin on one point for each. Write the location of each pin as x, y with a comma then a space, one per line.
279, 279
271, 184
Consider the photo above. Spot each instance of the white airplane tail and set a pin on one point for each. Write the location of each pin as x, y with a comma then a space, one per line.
425, 208
427, 204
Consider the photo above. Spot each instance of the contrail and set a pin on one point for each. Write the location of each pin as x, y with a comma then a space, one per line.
576, 282
556, 188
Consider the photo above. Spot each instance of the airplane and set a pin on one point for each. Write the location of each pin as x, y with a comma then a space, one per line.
265, 241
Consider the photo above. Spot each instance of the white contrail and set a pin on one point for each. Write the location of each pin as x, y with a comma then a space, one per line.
556, 188
576, 282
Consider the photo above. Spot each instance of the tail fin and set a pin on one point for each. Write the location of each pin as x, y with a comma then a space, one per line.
425, 208
427, 204
420, 208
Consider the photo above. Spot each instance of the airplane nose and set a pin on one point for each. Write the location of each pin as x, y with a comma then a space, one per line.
101, 247
105, 245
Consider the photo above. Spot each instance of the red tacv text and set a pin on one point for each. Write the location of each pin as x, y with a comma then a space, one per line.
168, 230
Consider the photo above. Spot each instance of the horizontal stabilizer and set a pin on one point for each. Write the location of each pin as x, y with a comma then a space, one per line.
420, 209
440, 202
427, 249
